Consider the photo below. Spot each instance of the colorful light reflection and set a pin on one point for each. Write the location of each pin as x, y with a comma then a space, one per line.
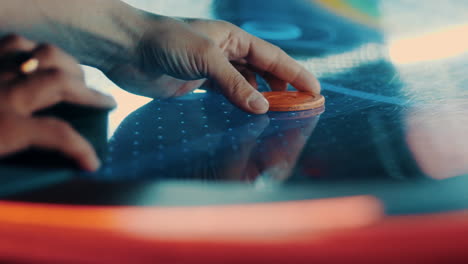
441, 44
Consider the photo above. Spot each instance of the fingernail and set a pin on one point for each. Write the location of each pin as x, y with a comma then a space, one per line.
258, 103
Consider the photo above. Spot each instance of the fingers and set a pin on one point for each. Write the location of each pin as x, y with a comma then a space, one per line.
13, 133
275, 83
52, 57
235, 87
53, 134
249, 75
10, 45
19, 132
49, 56
275, 61
45, 88
15, 43
57, 79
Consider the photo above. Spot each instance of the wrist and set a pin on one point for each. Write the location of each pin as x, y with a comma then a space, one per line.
115, 39
130, 26
102, 36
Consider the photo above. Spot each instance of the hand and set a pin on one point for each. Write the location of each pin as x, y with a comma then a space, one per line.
58, 78
173, 50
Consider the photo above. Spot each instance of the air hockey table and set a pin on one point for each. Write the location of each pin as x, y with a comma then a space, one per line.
379, 175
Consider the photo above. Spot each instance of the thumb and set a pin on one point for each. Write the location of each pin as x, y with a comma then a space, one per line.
235, 87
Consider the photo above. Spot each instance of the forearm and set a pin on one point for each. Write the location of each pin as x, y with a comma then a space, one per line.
96, 32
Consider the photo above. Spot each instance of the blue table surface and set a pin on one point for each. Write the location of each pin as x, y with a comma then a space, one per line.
382, 65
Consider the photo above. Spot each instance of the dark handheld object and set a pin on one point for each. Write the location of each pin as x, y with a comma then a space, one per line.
90, 122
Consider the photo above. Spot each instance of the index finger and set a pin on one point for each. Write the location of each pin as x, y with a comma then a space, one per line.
270, 58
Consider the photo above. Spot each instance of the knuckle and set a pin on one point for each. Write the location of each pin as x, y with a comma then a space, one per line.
296, 75
205, 51
62, 82
272, 66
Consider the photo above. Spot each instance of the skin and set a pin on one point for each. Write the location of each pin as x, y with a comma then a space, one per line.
141, 52
216, 50
58, 79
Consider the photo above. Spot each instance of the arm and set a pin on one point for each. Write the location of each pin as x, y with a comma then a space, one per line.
93, 31
159, 56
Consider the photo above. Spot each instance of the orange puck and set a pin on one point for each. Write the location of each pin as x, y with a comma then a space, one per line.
283, 101
295, 115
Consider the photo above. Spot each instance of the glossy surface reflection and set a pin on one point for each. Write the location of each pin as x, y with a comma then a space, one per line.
202, 136
394, 77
